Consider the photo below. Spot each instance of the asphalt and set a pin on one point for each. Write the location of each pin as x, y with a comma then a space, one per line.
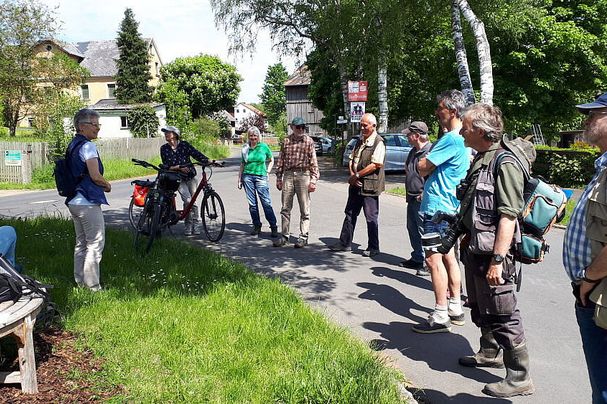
374, 298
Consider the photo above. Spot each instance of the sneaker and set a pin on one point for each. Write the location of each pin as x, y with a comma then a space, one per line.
423, 271
370, 253
274, 232
457, 319
338, 247
279, 242
196, 230
430, 327
411, 264
300, 243
256, 230
188, 230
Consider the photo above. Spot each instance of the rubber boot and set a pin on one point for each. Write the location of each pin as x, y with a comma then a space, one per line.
490, 355
518, 381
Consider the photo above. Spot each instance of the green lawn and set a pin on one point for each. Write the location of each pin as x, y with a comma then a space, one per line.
184, 324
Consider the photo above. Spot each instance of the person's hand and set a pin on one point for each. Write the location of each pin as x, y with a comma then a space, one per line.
494, 275
239, 184
311, 187
419, 198
107, 187
279, 185
354, 181
585, 290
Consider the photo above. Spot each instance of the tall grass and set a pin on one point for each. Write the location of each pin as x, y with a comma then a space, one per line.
184, 324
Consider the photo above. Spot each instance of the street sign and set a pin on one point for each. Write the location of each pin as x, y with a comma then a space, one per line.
357, 110
12, 158
357, 90
342, 120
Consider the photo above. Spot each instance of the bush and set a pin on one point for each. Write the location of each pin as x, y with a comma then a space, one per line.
566, 167
143, 121
4, 132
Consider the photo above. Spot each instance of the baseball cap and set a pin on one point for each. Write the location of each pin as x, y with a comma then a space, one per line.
171, 129
417, 127
600, 102
298, 121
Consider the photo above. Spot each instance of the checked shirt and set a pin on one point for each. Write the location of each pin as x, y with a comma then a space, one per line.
298, 154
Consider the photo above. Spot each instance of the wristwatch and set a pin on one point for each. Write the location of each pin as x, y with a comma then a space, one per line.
498, 258
586, 279
357, 175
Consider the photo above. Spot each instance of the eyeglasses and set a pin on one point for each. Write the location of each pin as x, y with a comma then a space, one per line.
97, 125
591, 113
300, 126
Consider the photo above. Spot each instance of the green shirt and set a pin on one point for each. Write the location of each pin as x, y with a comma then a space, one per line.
256, 160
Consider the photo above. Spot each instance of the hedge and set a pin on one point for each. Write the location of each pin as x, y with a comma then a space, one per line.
569, 168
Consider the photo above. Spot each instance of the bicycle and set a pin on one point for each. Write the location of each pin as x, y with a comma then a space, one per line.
153, 207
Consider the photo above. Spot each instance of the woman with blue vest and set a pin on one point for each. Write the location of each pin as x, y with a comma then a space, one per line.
85, 206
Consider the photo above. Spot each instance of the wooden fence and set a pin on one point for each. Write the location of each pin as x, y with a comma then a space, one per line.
18, 160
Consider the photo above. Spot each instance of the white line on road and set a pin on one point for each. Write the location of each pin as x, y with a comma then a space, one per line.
39, 202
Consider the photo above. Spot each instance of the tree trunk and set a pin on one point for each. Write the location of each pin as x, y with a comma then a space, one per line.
483, 50
382, 95
463, 70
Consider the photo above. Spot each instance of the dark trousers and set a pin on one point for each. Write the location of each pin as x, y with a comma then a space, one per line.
414, 228
493, 307
594, 342
370, 206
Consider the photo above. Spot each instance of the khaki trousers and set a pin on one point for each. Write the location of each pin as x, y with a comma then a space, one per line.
296, 183
90, 240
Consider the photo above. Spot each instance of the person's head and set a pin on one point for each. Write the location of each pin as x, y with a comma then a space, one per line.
482, 125
417, 133
368, 123
298, 126
253, 134
86, 123
595, 127
171, 134
450, 105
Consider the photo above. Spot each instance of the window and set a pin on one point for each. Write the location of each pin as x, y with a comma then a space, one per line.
390, 140
124, 122
237, 111
157, 69
49, 48
30, 122
111, 90
85, 91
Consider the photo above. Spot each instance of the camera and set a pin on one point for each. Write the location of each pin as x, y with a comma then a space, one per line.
435, 243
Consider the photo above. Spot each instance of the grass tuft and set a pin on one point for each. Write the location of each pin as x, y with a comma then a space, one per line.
184, 324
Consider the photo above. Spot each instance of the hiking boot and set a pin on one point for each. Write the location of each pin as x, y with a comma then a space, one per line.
432, 327
300, 243
490, 354
411, 264
274, 233
196, 229
517, 381
280, 242
338, 247
370, 253
188, 229
256, 230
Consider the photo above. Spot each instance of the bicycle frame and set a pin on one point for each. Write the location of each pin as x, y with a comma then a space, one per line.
203, 185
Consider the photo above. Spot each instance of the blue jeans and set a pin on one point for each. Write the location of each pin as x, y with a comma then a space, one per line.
430, 227
254, 186
414, 228
8, 240
594, 342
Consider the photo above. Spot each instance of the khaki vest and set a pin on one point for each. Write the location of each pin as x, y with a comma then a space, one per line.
596, 232
374, 183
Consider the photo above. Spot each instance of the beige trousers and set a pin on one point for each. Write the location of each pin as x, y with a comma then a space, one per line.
90, 240
296, 183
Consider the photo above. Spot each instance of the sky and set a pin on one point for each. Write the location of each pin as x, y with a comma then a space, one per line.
179, 28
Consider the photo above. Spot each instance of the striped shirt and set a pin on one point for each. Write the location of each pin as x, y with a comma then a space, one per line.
298, 154
577, 254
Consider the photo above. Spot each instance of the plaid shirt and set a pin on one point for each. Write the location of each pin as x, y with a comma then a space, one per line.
576, 247
299, 155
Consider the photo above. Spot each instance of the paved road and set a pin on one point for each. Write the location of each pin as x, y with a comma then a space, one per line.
377, 300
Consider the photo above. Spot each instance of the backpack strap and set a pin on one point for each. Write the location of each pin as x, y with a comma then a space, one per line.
76, 149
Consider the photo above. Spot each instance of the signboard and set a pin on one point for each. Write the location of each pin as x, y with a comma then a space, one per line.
12, 158
357, 110
341, 120
357, 90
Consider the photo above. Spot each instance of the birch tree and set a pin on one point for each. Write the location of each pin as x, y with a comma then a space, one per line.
463, 70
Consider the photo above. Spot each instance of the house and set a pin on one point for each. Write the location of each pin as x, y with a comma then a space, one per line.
246, 115
99, 57
113, 118
298, 103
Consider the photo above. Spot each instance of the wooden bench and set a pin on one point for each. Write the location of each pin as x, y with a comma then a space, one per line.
17, 319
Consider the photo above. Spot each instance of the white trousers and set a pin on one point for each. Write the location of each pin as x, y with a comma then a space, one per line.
90, 240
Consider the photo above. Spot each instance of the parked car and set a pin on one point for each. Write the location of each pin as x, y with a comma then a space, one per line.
397, 150
323, 145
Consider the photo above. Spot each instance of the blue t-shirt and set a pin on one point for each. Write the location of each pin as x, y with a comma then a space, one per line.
452, 160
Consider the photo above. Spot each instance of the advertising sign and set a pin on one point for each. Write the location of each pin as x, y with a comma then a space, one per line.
357, 91
357, 110
12, 157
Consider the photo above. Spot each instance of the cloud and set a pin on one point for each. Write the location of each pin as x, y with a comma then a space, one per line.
179, 28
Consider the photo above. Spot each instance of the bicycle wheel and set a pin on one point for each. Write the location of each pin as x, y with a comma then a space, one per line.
154, 226
142, 227
213, 216
134, 213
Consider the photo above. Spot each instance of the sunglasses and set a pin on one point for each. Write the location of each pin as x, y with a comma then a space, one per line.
300, 126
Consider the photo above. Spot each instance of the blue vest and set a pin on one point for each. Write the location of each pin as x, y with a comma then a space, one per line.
91, 191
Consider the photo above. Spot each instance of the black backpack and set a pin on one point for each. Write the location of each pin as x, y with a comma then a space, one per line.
13, 285
65, 181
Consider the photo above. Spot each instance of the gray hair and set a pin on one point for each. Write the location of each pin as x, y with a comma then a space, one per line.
423, 136
84, 115
487, 118
253, 130
453, 100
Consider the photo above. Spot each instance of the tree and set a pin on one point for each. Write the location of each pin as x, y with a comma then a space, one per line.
203, 83
463, 70
274, 96
143, 121
26, 81
133, 77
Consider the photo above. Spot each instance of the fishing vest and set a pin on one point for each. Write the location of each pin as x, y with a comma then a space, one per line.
374, 183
